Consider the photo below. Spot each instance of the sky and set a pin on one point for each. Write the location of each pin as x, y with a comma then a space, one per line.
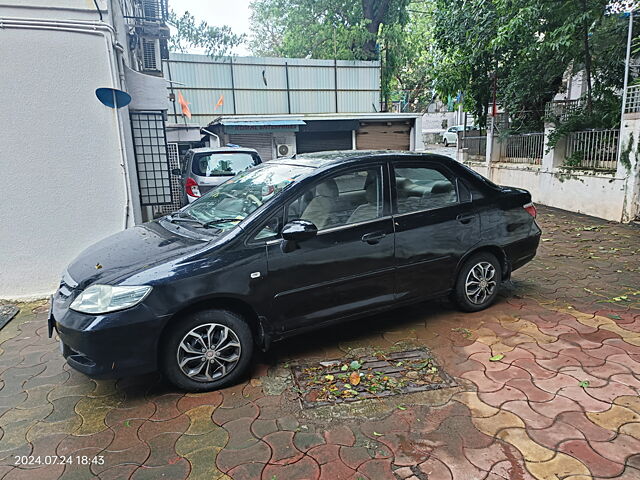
234, 13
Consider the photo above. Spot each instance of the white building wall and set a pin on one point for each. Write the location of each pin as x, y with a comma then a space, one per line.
62, 183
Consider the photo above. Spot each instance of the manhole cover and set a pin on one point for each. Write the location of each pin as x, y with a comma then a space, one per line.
7, 312
382, 375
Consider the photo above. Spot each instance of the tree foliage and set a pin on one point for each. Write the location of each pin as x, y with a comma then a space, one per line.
523, 48
190, 34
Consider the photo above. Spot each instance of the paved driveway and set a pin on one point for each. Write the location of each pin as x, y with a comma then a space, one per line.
562, 403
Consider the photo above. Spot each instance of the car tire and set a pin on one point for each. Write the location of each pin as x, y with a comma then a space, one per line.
446, 143
222, 363
478, 282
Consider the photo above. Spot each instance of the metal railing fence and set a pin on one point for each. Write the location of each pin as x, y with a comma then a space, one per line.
593, 149
523, 148
475, 146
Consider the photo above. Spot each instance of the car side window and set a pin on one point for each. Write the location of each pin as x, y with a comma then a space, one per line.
343, 199
270, 229
423, 188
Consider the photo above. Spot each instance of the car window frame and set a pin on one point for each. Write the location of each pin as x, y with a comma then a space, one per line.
446, 172
344, 170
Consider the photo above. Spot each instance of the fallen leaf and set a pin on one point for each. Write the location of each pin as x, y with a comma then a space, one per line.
355, 365
378, 434
400, 407
584, 383
256, 382
344, 368
98, 266
354, 378
496, 358
329, 378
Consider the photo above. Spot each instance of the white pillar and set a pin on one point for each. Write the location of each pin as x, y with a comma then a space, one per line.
628, 165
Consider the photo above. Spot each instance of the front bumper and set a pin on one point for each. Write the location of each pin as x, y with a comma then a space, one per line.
116, 344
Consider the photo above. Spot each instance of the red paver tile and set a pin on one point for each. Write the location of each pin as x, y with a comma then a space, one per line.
376, 469
435, 468
261, 427
506, 394
229, 458
150, 429
175, 471
483, 383
611, 391
530, 417
618, 449
224, 415
305, 468
240, 435
531, 391
535, 370
190, 401
336, 471
283, 451
354, 456
555, 407
166, 406
247, 471
598, 465
584, 398
325, 453
340, 436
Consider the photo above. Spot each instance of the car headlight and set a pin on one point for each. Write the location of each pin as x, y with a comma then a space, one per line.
109, 298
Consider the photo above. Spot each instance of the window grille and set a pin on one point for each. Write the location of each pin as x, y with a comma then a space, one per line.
149, 54
150, 146
176, 183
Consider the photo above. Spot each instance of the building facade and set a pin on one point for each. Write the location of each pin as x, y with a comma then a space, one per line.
74, 169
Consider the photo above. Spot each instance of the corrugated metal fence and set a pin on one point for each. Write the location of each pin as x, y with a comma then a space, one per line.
255, 85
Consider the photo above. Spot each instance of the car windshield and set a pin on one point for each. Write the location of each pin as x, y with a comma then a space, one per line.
221, 163
228, 204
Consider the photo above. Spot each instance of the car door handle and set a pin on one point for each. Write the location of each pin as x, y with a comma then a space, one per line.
373, 237
465, 218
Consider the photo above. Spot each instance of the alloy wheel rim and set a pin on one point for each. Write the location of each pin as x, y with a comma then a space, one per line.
480, 283
208, 352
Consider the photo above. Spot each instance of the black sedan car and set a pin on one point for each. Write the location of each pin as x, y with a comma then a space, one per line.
282, 248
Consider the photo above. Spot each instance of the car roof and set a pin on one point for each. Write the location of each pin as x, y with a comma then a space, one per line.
223, 150
332, 158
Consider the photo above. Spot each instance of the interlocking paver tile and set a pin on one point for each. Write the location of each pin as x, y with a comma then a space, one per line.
524, 417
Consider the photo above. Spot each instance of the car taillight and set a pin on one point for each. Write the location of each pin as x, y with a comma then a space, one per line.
531, 209
192, 188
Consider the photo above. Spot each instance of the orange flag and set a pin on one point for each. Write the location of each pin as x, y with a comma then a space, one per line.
220, 102
184, 105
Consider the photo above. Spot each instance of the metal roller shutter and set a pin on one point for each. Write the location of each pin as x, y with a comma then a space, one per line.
307, 142
384, 136
263, 143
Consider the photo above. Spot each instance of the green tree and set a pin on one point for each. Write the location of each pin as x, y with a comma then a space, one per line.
522, 48
216, 41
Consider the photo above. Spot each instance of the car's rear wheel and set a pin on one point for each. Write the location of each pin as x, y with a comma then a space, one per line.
478, 282
210, 349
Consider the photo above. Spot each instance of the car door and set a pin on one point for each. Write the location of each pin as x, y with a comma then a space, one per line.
433, 228
348, 266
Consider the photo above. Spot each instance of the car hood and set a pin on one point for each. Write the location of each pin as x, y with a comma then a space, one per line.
130, 251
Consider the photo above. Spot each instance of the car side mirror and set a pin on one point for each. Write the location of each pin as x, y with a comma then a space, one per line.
176, 171
299, 230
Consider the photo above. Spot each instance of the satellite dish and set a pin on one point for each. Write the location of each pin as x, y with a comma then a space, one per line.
113, 98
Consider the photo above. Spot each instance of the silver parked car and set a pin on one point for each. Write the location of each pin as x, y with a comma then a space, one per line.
205, 168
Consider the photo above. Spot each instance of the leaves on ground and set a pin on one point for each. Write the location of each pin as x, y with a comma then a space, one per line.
496, 358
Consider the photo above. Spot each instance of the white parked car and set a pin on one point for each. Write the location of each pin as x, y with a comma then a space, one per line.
450, 137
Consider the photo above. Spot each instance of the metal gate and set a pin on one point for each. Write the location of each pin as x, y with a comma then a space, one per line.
176, 183
307, 142
152, 162
263, 143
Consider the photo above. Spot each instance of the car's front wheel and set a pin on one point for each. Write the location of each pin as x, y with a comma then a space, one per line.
477, 283
445, 142
208, 350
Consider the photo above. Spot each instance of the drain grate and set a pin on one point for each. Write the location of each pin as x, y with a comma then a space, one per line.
380, 375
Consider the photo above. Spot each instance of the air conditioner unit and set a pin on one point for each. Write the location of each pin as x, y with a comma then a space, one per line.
285, 150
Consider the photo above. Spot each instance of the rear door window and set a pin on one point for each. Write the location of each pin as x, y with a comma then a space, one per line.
221, 164
423, 188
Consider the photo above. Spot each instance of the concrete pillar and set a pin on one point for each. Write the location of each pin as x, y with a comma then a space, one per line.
553, 157
629, 165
